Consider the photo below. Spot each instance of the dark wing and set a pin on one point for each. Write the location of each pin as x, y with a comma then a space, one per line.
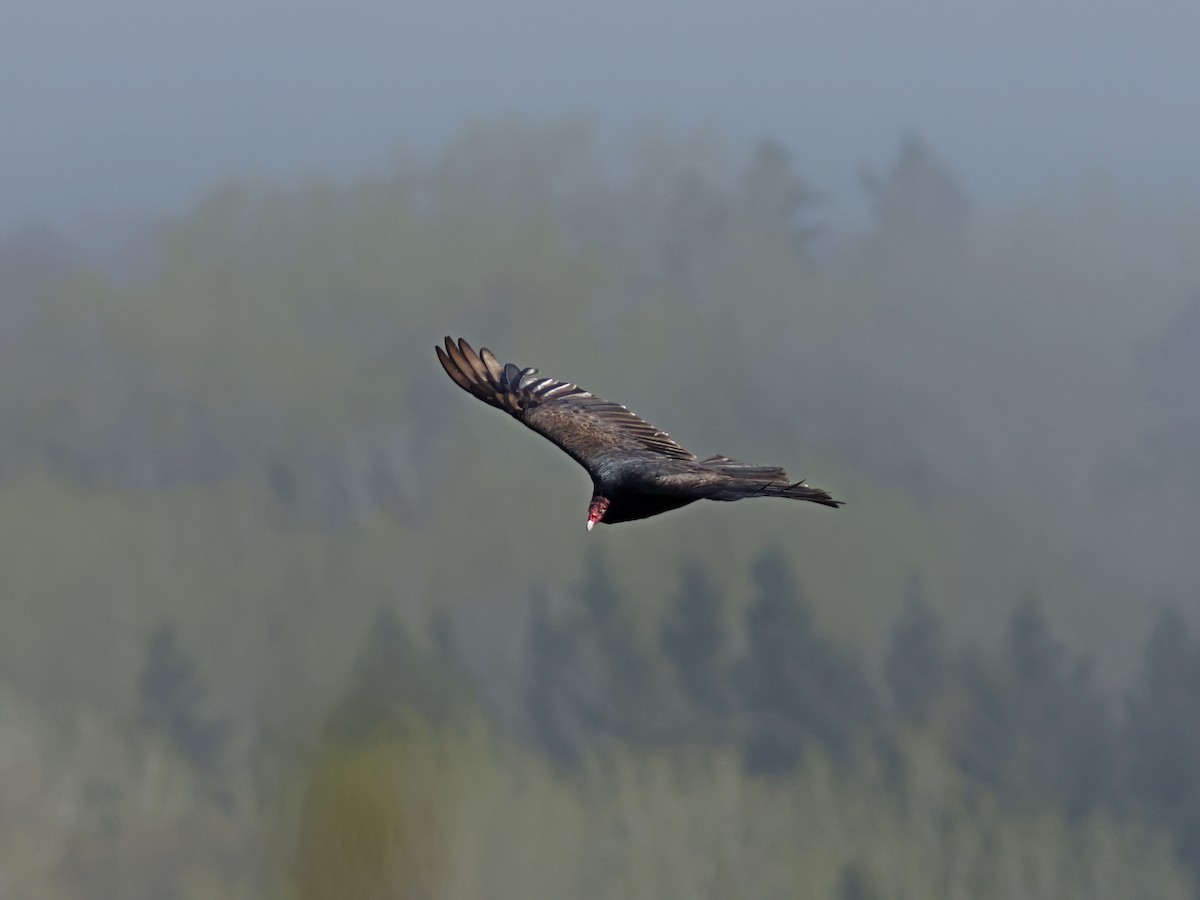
578, 421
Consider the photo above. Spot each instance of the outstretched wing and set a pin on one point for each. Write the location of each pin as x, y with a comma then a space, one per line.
582, 424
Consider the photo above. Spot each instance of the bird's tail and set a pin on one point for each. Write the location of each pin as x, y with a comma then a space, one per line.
746, 480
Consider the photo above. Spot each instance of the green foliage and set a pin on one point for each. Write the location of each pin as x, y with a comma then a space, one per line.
449, 813
377, 817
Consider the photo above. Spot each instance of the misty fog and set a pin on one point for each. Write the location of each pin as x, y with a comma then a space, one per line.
288, 614
136, 106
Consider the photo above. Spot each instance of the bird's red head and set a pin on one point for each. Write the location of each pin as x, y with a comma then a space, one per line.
596, 511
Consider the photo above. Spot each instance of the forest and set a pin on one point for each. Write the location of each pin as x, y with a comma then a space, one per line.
288, 615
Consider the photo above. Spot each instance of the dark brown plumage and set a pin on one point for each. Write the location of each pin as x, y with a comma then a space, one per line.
637, 470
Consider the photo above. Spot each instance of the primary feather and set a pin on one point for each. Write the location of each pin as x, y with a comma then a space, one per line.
636, 468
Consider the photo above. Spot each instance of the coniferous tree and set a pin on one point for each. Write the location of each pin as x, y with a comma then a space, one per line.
692, 638
797, 684
601, 598
919, 197
1034, 666
1162, 713
1163, 725
1033, 656
392, 680
979, 736
692, 224
1092, 771
855, 883
614, 673
1005, 735
172, 700
551, 649
1068, 735
774, 199
1032, 726
916, 665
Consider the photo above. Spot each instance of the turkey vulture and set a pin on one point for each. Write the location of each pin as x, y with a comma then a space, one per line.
637, 470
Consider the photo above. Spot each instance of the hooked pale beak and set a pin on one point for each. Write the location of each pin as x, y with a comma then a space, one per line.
596, 510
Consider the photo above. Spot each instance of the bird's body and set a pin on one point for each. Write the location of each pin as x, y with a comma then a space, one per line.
636, 469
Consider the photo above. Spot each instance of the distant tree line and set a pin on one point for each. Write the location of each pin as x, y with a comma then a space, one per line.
1026, 723
244, 399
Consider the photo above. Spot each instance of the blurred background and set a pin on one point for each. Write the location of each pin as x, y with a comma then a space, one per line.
288, 615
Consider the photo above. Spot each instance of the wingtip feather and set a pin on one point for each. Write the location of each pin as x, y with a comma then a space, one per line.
494, 366
452, 368
477, 366
459, 358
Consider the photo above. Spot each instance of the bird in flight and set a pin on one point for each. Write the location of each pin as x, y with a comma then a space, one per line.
637, 470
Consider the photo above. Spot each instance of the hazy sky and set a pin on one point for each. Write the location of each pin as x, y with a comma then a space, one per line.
141, 104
